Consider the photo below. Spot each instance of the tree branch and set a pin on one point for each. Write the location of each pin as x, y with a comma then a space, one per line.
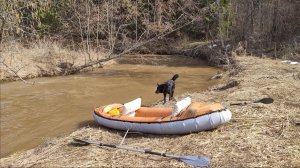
16, 72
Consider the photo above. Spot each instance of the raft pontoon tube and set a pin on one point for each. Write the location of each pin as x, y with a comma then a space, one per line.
195, 117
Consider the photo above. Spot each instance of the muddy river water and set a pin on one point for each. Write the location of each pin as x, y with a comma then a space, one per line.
32, 114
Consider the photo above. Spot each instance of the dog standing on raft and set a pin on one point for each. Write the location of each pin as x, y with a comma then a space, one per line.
167, 88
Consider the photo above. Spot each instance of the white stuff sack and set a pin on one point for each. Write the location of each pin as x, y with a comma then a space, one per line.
130, 107
181, 105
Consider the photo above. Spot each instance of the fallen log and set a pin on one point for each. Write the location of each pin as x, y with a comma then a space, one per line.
73, 70
77, 69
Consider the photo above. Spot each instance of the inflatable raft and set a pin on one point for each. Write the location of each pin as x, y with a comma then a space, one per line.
191, 117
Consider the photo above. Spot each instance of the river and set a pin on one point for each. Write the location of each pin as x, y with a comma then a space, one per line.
56, 106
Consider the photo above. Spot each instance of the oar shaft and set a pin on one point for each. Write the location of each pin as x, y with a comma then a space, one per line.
264, 101
139, 150
191, 160
239, 103
149, 152
127, 148
130, 149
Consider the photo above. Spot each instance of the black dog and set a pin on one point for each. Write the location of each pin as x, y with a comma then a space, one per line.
167, 88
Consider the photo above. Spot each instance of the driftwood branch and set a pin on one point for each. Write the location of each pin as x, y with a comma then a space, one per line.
16, 72
137, 45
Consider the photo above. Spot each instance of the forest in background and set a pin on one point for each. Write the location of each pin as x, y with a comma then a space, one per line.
260, 27
51, 37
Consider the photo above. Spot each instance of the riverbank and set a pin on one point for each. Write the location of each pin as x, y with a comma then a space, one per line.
44, 59
259, 135
47, 59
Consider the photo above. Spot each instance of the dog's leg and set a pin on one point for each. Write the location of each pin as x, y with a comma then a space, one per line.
165, 94
171, 94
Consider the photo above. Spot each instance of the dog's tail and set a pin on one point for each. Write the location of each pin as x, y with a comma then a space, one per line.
175, 77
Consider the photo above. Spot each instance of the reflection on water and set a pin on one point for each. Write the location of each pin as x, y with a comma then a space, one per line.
31, 114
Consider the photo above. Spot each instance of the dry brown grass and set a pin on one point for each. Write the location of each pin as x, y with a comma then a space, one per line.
39, 59
258, 135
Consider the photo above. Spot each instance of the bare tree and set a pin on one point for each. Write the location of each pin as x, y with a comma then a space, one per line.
88, 10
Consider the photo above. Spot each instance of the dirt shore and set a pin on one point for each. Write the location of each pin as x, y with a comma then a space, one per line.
259, 135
